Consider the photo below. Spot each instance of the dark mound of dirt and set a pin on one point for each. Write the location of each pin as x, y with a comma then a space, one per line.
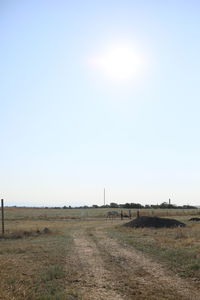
194, 219
154, 222
46, 230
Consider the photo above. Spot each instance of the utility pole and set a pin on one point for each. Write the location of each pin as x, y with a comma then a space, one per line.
2, 216
104, 197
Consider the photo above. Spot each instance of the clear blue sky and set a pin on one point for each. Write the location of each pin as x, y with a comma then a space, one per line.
68, 129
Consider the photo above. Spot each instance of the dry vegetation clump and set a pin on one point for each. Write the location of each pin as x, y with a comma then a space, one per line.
156, 222
57, 217
19, 234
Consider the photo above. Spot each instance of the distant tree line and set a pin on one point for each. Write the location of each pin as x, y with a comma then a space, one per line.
163, 205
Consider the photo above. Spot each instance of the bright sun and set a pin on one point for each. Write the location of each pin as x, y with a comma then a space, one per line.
118, 63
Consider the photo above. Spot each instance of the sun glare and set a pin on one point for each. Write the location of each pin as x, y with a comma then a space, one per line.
118, 63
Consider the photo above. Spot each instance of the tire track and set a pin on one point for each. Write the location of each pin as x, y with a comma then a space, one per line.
95, 282
151, 276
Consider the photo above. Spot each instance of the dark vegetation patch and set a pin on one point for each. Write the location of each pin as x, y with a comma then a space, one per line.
19, 234
195, 219
57, 217
45, 217
155, 222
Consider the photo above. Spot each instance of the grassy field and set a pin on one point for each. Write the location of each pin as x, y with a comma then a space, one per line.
62, 214
39, 264
178, 249
32, 264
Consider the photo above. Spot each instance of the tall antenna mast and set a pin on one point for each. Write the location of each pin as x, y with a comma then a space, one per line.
104, 196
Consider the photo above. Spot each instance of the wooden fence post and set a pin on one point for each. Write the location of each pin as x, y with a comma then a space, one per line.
2, 216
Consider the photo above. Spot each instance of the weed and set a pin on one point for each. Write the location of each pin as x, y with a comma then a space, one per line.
53, 272
180, 234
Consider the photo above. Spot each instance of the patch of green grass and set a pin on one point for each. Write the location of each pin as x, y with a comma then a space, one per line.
53, 272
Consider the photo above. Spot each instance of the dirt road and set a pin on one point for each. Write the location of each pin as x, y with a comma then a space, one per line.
105, 269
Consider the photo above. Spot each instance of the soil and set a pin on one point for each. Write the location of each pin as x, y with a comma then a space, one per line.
154, 222
195, 219
106, 269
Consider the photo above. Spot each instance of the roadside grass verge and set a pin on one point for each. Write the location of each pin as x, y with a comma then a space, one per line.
177, 249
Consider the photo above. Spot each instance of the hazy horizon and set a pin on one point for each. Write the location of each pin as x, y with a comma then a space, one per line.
99, 94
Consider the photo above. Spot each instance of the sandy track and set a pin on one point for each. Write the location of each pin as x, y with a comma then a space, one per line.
96, 280
110, 270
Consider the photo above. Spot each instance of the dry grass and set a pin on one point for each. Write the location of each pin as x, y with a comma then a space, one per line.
33, 262
19, 234
17, 214
40, 266
178, 248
